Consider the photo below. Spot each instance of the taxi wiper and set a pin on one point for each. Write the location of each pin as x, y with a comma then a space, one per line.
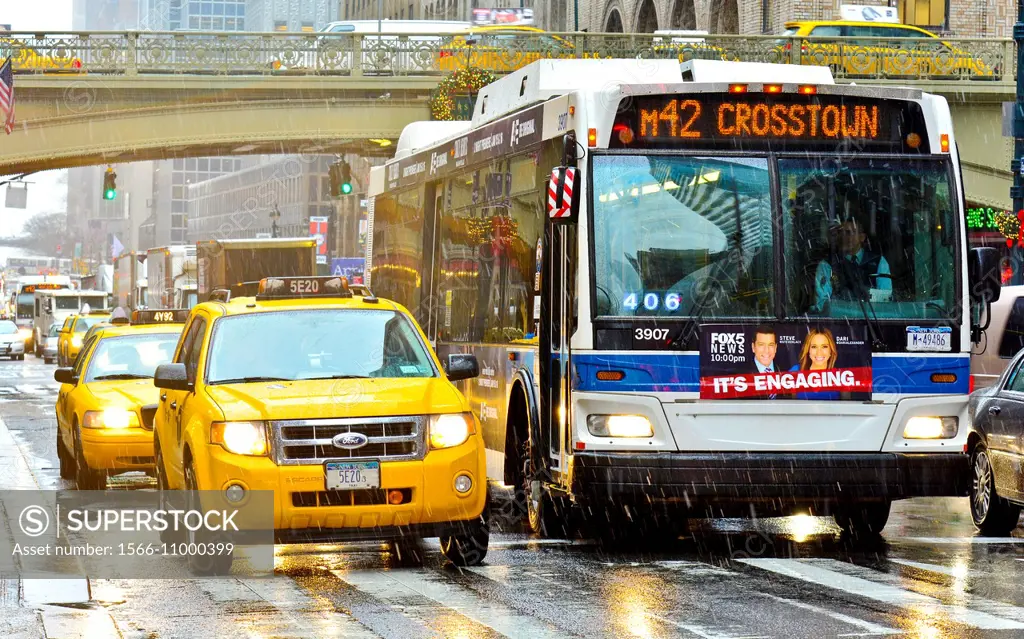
306, 379
255, 378
122, 376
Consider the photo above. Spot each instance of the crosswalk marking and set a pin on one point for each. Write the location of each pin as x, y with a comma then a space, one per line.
702, 631
962, 540
811, 573
949, 571
497, 617
868, 627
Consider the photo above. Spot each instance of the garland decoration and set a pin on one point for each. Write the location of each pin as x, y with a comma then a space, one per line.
462, 81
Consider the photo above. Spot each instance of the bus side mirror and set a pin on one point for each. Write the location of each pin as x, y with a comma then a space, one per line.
563, 195
983, 275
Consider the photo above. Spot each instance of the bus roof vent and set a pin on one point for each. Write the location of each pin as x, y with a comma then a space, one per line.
753, 72
419, 135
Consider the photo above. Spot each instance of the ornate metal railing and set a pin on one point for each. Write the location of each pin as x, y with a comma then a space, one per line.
216, 53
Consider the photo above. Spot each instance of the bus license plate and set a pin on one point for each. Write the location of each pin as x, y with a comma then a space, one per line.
352, 475
939, 338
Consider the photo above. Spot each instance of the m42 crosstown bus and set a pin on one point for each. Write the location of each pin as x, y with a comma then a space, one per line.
695, 290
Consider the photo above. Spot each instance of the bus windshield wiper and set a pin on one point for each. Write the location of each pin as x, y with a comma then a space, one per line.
692, 324
255, 378
864, 299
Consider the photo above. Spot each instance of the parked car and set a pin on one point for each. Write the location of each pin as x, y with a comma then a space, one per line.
996, 489
1003, 339
859, 48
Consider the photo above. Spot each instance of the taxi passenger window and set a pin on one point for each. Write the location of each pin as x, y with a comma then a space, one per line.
186, 342
83, 356
828, 32
195, 348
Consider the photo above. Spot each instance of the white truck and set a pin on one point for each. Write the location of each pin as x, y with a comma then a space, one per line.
171, 275
130, 285
55, 306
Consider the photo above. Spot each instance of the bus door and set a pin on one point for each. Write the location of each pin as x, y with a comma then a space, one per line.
557, 323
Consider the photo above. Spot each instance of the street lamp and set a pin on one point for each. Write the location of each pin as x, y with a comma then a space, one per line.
275, 215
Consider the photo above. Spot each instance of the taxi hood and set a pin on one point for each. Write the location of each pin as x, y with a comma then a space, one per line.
337, 398
131, 393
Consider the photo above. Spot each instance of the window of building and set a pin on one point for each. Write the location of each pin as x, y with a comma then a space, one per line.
280, 25
924, 13
307, 26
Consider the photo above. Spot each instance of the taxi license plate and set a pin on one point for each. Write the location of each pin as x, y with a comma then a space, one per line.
939, 338
352, 475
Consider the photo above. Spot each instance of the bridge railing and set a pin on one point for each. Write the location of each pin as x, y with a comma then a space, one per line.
234, 53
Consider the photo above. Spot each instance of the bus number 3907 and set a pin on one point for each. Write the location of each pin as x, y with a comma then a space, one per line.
648, 334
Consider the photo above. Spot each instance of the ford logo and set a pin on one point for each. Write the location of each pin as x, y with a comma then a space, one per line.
350, 440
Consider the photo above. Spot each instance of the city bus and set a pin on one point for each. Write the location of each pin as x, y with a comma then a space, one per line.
25, 301
695, 290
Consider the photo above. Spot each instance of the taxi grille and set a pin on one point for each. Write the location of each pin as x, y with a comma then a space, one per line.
311, 441
363, 497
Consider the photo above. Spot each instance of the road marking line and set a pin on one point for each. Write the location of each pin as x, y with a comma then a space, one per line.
54, 591
867, 626
497, 617
948, 571
962, 540
884, 593
702, 631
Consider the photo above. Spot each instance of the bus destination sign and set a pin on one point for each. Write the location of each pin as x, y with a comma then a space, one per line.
769, 120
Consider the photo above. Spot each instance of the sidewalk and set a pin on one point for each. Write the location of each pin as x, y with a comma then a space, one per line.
34, 608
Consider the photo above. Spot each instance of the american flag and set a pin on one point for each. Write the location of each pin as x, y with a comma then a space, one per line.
7, 95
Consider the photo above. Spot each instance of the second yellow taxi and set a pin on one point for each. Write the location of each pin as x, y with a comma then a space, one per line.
335, 403
72, 335
106, 401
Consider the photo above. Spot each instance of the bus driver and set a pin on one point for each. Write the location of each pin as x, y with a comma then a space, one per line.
852, 270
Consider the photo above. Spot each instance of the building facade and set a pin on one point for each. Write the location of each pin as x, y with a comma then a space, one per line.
290, 15
963, 18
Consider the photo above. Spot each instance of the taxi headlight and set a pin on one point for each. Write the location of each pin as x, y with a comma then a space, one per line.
24, 333
450, 430
76, 341
930, 428
620, 426
241, 438
116, 418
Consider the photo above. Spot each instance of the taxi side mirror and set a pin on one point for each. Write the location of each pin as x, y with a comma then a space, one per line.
172, 377
65, 376
462, 366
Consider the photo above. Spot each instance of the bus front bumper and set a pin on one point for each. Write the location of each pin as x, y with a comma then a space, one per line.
703, 479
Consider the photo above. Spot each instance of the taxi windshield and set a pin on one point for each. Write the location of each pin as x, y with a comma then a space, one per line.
85, 323
316, 344
130, 356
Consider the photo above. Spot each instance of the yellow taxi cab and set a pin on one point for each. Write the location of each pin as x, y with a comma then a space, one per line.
27, 59
859, 48
72, 335
501, 49
106, 402
335, 402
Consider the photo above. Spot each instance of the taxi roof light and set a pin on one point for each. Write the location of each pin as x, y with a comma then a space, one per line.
141, 317
310, 287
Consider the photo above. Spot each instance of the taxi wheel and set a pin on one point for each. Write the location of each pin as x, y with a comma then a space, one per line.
67, 469
992, 515
85, 477
863, 521
21, 358
167, 535
469, 547
198, 563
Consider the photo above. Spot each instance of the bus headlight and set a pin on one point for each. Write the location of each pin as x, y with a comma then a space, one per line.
447, 431
931, 428
620, 426
115, 418
240, 438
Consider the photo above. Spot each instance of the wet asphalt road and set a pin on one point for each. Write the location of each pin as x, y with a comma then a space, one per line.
930, 576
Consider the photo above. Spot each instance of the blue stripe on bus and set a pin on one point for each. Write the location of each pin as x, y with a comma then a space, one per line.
680, 373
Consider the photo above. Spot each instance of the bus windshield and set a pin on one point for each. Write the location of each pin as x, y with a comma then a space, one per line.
26, 305
688, 236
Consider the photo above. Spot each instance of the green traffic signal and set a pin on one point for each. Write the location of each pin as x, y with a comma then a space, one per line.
346, 188
109, 194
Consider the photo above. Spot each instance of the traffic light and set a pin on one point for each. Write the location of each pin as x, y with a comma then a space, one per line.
340, 174
109, 184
